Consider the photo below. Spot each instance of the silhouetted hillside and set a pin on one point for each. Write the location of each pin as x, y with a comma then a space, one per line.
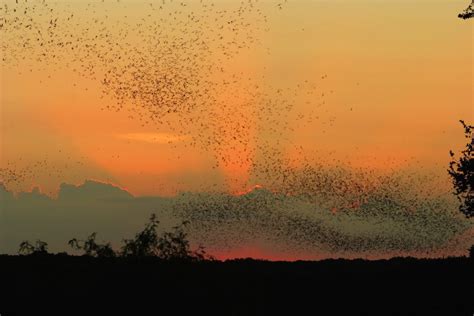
60, 284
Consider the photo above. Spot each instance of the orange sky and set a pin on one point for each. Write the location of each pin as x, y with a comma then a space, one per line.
399, 77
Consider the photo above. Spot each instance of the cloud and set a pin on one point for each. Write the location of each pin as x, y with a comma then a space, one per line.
276, 222
158, 138
92, 189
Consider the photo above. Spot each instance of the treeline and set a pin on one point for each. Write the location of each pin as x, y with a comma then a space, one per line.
172, 245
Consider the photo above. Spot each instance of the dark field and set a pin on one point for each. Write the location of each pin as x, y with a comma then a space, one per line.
55, 284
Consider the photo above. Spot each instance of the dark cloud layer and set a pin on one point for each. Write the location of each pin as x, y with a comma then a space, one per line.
279, 222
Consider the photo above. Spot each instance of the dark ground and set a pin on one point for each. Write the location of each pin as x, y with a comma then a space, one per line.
62, 285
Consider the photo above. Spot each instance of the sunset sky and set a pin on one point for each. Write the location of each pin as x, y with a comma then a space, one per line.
396, 78
281, 129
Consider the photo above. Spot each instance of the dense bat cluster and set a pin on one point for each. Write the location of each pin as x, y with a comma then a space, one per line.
331, 211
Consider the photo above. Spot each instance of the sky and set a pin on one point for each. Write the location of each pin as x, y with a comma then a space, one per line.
162, 97
399, 77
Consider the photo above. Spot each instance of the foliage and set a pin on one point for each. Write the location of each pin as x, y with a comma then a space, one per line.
462, 173
39, 248
172, 245
145, 242
175, 246
92, 248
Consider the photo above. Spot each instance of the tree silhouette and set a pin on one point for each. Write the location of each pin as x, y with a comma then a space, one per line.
39, 248
92, 248
468, 12
145, 242
172, 245
175, 246
461, 171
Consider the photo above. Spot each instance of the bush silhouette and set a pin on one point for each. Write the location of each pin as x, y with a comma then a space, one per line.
175, 246
39, 248
145, 242
92, 248
462, 173
172, 245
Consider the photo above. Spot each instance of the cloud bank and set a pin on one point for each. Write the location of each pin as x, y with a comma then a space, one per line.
280, 224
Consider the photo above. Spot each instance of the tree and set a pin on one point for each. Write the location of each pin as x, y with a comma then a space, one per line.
172, 245
461, 171
92, 248
468, 12
175, 246
145, 242
39, 248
